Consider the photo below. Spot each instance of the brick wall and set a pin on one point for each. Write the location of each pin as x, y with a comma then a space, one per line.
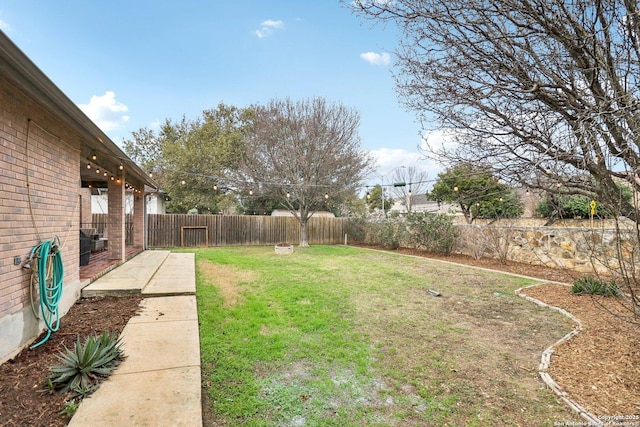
48, 207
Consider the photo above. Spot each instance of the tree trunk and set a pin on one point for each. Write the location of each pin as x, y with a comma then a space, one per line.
304, 241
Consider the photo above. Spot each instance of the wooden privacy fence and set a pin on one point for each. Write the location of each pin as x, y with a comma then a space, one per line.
176, 230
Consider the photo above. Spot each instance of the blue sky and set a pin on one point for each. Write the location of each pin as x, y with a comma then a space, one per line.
132, 64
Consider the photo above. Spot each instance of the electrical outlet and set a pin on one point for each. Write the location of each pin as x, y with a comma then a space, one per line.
17, 260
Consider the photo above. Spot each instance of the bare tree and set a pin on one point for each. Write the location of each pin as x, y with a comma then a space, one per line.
307, 153
546, 91
415, 182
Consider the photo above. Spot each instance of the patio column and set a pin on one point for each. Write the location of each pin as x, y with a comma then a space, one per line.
85, 208
116, 232
139, 213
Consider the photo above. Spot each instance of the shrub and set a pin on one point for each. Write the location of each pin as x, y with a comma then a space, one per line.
356, 229
591, 286
389, 233
433, 233
471, 240
86, 364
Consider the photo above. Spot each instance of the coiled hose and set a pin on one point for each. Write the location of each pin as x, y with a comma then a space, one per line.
50, 272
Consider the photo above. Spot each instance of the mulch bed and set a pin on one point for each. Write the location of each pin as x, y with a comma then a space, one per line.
22, 379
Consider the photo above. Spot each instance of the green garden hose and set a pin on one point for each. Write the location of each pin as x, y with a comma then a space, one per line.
50, 273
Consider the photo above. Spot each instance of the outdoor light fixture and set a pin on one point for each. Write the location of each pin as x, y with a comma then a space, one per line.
105, 174
94, 157
326, 195
97, 170
121, 167
88, 165
215, 187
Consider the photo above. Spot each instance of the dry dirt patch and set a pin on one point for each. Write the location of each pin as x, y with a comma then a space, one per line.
228, 279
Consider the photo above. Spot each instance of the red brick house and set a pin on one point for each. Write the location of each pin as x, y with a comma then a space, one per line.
51, 158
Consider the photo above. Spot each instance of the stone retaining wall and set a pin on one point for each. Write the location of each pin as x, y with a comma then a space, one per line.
601, 249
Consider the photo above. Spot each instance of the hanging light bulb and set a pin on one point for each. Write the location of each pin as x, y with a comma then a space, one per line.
93, 156
105, 174
288, 195
368, 195
326, 195
183, 182
251, 192
455, 188
215, 187
88, 166
121, 167
113, 178
97, 170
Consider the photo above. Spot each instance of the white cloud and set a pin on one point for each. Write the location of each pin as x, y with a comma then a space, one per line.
390, 159
439, 139
376, 58
268, 27
106, 112
4, 26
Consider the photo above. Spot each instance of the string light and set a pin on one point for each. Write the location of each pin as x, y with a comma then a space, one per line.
326, 195
121, 167
88, 166
288, 195
215, 187
183, 182
94, 157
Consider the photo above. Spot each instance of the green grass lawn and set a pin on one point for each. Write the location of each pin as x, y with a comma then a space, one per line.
338, 336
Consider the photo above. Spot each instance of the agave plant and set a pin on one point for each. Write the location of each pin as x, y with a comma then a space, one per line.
86, 364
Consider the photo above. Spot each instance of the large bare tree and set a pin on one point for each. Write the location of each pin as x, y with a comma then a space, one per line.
306, 153
544, 90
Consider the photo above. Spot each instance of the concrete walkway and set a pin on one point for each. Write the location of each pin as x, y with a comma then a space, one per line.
158, 384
